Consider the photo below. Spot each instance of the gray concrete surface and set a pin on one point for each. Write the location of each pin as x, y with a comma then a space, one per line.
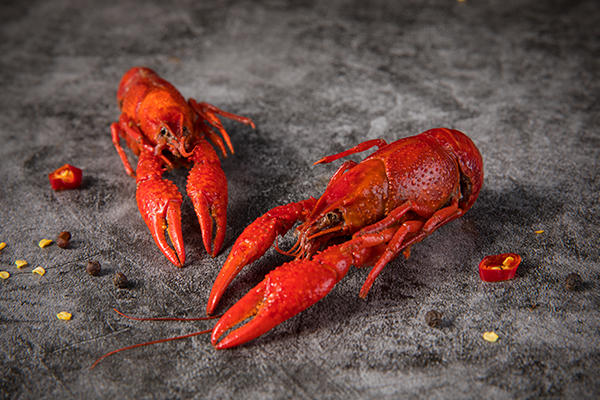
520, 77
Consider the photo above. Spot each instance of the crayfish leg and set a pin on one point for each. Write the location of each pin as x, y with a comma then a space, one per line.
207, 112
395, 246
415, 231
116, 132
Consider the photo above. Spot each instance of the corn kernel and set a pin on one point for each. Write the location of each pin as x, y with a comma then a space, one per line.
44, 242
64, 315
4, 275
20, 263
2, 245
490, 336
39, 270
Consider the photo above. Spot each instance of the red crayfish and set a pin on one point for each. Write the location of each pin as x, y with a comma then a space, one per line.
391, 200
164, 130
381, 206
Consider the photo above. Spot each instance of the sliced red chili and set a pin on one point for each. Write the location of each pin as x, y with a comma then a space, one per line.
499, 267
66, 177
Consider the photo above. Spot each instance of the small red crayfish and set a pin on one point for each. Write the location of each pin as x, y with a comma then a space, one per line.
164, 130
391, 200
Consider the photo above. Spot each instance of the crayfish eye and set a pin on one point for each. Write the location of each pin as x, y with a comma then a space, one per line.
332, 217
186, 131
328, 220
163, 131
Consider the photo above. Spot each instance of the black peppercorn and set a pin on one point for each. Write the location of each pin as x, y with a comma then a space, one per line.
62, 240
93, 268
573, 281
433, 318
120, 280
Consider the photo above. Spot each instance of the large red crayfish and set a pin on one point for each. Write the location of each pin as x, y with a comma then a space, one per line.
391, 200
164, 130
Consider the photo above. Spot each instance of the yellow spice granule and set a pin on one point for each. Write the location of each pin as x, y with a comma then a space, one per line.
538, 232
64, 315
20, 263
2, 245
4, 275
39, 270
44, 242
490, 336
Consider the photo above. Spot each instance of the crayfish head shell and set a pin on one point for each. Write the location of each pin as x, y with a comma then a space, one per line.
355, 200
173, 132
165, 119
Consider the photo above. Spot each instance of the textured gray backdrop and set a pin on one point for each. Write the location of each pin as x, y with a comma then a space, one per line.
519, 77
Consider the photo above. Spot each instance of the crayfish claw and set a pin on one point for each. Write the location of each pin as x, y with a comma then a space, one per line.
285, 292
207, 188
254, 241
159, 202
247, 307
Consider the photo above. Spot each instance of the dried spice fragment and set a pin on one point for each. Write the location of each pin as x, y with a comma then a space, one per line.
62, 240
20, 263
2, 245
573, 281
120, 280
44, 242
499, 267
66, 177
65, 316
39, 270
433, 318
490, 336
4, 275
93, 268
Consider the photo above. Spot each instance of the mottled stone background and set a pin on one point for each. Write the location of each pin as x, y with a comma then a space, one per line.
519, 77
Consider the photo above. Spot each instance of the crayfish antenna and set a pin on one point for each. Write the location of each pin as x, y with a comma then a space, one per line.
149, 343
293, 252
155, 341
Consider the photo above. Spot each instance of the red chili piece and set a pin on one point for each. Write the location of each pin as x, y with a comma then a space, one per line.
499, 267
66, 177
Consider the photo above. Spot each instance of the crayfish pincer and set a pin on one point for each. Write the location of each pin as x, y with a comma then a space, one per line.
166, 131
391, 200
